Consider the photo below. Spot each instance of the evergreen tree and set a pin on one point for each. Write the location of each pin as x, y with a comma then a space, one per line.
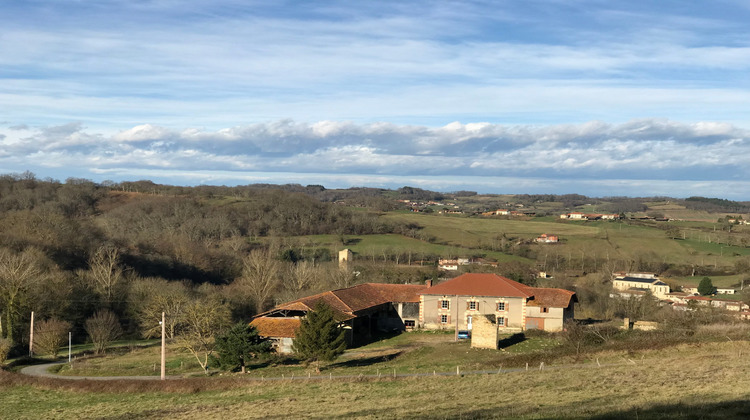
319, 337
705, 287
240, 344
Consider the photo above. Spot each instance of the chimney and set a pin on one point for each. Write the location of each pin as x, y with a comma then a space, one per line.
428, 283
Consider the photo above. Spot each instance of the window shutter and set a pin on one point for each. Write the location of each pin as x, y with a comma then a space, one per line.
440, 303
449, 319
477, 305
468, 305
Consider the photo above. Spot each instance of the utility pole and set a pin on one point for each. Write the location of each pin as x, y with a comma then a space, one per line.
163, 351
31, 335
70, 344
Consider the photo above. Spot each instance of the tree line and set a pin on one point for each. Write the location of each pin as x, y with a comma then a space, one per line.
70, 250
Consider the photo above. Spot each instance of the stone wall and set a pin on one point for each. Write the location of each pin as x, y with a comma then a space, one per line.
484, 332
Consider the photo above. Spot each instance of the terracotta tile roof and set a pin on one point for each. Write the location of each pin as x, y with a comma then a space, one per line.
555, 298
398, 292
480, 284
276, 327
346, 302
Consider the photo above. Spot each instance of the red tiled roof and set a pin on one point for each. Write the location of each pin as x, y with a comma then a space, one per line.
398, 292
555, 298
276, 327
345, 302
480, 284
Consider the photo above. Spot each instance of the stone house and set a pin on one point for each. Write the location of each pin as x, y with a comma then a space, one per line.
515, 306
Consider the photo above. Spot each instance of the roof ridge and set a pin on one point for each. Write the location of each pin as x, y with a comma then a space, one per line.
514, 286
340, 300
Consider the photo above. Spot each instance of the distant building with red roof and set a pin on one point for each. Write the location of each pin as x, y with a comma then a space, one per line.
514, 306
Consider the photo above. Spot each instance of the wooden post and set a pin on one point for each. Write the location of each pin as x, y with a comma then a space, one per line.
31, 335
163, 347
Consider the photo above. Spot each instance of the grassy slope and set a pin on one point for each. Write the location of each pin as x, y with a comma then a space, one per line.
710, 380
602, 239
417, 352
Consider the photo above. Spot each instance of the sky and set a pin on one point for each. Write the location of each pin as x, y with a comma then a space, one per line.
602, 98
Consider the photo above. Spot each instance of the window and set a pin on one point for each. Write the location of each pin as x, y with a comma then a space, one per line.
501, 306
545, 309
473, 305
410, 323
501, 321
443, 319
445, 304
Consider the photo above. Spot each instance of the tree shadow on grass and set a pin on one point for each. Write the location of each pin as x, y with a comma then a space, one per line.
509, 341
724, 410
281, 361
739, 409
366, 361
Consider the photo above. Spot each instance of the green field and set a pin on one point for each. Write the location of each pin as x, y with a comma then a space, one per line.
416, 352
710, 380
717, 281
603, 240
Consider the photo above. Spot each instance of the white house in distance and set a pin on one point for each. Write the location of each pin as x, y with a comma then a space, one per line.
547, 239
625, 282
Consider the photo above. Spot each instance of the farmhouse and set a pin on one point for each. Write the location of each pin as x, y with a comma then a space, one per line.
515, 306
363, 310
589, 216
626, 282
547, 239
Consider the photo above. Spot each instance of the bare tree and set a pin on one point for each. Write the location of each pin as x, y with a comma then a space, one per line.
260, 277
20, 273
103, 328
150, 297
302, 276
105, 274
49, 335
341, 277
205, 318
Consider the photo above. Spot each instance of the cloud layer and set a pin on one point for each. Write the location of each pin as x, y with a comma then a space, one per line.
582, 154
110, 89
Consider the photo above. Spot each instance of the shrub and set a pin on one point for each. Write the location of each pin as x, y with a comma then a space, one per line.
5, 346
103, 328
49, 336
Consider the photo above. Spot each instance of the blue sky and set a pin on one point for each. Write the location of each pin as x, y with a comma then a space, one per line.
594, 97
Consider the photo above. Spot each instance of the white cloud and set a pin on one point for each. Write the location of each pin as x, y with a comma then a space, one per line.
639, 149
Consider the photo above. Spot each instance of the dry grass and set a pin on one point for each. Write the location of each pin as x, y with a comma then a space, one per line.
688, 381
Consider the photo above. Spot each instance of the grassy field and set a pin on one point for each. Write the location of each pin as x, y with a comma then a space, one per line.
594, 241
717, 281
604, 240
417, 352
707, 380
373, 246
